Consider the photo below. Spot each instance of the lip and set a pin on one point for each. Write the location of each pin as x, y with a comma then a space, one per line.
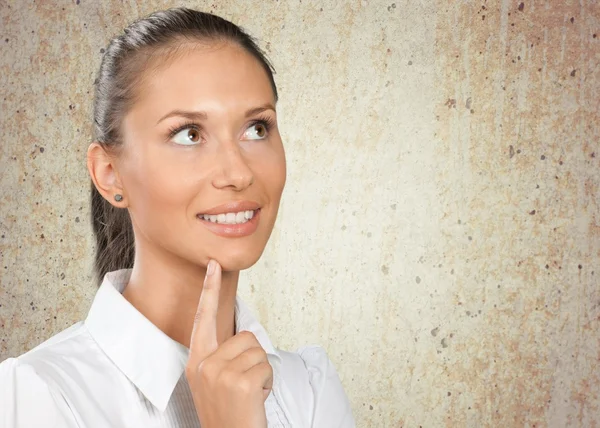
233, 230
232, 207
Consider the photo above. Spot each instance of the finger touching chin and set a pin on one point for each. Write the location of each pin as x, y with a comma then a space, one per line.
234, 260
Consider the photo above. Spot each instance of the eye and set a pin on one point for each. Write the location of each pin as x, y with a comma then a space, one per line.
187, 137
256, 131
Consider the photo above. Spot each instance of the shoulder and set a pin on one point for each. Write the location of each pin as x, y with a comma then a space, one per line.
30, 390
60, 354
28, 399
310, 364
310, 370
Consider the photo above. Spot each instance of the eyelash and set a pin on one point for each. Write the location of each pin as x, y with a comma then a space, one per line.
265, 121
186, 125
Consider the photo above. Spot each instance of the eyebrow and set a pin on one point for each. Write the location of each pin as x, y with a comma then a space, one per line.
200, 115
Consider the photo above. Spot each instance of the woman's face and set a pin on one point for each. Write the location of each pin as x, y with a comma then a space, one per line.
201, 155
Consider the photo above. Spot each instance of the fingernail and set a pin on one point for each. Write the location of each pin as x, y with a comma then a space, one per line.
210, 269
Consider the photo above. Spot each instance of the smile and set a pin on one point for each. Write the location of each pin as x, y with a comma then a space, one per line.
240, 217
234, 219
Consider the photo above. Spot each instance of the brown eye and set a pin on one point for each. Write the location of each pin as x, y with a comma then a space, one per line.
188, 137
258, 131
193, 135
261, 131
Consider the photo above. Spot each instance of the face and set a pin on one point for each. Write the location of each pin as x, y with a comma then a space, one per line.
202, 164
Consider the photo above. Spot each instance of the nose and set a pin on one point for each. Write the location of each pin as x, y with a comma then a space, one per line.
233, 171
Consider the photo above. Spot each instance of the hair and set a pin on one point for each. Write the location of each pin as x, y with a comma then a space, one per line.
127, 57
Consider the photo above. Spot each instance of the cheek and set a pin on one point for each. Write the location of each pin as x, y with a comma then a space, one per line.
158, 181
279, 175
269, 165
280, 169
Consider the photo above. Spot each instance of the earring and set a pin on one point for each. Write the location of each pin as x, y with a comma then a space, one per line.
118, 197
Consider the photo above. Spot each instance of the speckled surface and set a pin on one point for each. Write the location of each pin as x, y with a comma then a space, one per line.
440, 229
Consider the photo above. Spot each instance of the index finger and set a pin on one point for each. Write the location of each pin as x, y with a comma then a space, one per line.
204, 333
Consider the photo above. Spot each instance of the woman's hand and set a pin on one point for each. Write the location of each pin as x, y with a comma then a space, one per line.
231, 382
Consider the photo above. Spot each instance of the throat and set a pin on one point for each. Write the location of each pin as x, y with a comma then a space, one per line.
172, 308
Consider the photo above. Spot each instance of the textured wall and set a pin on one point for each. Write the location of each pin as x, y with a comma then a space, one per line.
440, 230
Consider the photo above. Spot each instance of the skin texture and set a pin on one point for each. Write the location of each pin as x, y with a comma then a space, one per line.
165, 185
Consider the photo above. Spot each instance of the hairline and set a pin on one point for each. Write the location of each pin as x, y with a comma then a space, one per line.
151, 60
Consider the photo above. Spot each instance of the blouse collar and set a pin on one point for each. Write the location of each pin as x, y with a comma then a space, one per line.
149, 358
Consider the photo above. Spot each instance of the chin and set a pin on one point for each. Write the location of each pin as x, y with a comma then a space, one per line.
238, 259
231, 264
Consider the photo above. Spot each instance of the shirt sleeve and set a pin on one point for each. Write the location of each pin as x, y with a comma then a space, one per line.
26, 400
331, 405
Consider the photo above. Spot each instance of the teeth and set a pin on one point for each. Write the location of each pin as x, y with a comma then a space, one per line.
230, 218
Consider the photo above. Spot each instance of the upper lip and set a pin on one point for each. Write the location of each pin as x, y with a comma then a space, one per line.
232, 207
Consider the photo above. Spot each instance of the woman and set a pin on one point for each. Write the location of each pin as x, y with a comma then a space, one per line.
187, 168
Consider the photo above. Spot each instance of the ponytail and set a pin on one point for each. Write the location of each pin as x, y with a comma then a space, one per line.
115, 245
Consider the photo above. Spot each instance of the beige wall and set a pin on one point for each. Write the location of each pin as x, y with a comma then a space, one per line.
440, 231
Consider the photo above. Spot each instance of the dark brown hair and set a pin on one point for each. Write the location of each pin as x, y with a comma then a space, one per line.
125, 58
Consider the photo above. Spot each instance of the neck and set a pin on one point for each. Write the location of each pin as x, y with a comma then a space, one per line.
166, 290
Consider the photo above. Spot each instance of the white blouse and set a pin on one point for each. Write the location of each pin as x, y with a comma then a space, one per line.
117, 369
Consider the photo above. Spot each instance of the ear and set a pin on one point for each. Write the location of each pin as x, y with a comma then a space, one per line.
102, 168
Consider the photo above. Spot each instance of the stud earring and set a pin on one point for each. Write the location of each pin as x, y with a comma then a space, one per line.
118, 197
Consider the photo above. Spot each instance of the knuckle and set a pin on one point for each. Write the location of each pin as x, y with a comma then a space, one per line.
257, 353
205, 369
202, 371
248, 335
266, 367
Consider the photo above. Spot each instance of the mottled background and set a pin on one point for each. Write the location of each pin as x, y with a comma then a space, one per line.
440, 230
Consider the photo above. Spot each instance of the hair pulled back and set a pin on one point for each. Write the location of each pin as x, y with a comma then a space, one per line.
122, 64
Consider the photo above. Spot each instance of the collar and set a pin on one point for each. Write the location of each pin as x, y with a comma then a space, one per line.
149, 358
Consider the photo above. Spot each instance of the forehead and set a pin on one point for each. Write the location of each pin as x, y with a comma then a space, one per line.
219, 76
